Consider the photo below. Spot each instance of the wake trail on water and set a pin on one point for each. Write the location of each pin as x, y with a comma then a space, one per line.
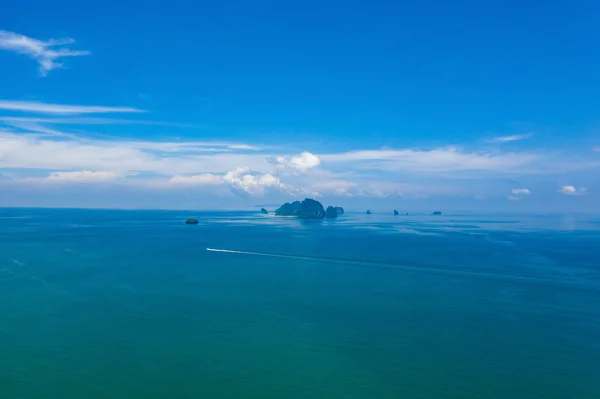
231, 251
424, 269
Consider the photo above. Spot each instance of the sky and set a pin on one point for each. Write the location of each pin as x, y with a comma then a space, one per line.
415, 106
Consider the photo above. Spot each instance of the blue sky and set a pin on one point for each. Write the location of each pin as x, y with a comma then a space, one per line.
408, 105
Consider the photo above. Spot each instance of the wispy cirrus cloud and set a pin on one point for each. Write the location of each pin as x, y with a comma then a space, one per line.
46, 53
438, 160
33, 151
80, 121
29, 126
242, 147
508, 139
83, 176
202, 179
37, 128
47, 108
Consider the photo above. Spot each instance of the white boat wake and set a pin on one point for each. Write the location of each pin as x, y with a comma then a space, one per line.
423, 269
230, 251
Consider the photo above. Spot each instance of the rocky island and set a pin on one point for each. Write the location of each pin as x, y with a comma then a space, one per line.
308, 209
331, 212
264, 211
396, 213
289, 209
369, 213
191, 221
437, 213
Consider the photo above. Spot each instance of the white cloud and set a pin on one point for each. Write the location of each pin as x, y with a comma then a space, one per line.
179, 157
301, 163
26, 151
159, 146
90, 121
253, 182
83, 176
572, 190
203, 179
46, 108
334, 186
180, 164
519, 193
46, 53
34, 127
507, 139
436, 160
242, 147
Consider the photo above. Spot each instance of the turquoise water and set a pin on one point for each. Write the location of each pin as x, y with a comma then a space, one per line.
130, 304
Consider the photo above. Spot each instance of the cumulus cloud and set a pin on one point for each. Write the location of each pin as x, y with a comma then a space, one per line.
253, 182
507, 139
83, 176
301, 163
46, 53
46, 108
206, 178
572, 190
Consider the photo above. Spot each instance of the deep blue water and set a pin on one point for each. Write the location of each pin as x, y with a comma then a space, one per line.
130, 304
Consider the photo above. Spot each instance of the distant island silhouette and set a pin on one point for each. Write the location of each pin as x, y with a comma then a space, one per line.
308, 209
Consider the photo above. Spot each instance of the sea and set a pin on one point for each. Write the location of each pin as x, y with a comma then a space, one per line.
119, 304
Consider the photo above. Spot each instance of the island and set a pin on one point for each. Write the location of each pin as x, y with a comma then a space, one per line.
308, 209
339, 210
264, 211
436, 213
289, 209
191, 221
331, 212
369, 212
396, 213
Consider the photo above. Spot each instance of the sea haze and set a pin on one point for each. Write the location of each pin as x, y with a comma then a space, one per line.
131, 304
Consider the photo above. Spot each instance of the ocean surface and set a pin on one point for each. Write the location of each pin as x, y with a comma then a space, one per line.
131, 304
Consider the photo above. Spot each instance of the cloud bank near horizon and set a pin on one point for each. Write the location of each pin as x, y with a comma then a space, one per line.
41, 152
